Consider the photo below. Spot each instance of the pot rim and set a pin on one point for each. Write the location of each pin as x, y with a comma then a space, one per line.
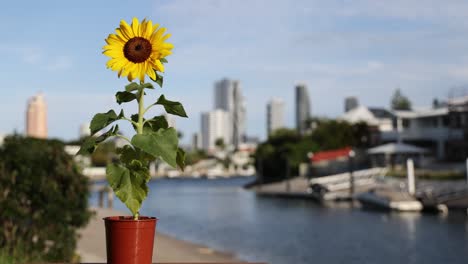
127, 218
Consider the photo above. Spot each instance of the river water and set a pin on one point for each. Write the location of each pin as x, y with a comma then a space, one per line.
222, 215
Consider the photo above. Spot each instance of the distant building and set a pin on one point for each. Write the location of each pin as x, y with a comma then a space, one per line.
36, 117
84, 130
215, 125
228, 97
223, 95
378, 117
444, 130
275, 115
302, 108
196, 141
351, 103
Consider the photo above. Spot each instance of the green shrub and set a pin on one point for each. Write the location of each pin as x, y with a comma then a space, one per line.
43, 200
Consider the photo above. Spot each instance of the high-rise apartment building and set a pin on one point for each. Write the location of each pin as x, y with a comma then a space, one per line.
228, 97
36, 117
275, 115
351, 102
215, 125
302, 108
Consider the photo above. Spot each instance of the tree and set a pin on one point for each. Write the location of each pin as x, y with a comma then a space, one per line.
220, 143
284, 147
43, 200
399, 101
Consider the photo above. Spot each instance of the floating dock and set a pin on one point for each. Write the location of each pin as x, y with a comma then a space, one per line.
387, 199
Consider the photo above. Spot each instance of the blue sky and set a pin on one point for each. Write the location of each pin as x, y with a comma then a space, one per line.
363, 48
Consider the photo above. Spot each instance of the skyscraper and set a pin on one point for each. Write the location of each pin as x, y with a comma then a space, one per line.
351, 102
302, 108
228, 97
36, 117
215, 125
224, 95
275, 115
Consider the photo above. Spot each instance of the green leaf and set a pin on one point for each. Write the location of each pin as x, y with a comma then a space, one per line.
128, 154
181, 158
129, 183
121, 114
159, 79
101, 120
162, 143
172, 107
163, 60
157, 123
132, 87
91, 143
147, 86
124, 97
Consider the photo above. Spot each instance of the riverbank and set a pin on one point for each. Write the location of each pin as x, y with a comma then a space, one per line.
92, 245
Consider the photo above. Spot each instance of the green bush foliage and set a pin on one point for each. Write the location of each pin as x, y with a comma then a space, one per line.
43, 200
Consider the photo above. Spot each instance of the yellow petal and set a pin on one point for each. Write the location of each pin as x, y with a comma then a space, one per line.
122, 35
167, 46
159, 65
151, 73
142, 29
165, 53
158, 34
166, 37
114, 53
148, 30
114, 40
126, 30
136, 27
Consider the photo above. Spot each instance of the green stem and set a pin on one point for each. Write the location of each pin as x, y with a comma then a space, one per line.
139, 125
141, 112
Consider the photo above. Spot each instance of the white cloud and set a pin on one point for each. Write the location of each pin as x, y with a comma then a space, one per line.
37, 56
59, 63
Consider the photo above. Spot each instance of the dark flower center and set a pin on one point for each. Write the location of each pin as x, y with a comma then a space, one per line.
137, 49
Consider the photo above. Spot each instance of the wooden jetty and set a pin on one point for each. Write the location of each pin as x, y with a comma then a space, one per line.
389, 199
344, 186
328, 188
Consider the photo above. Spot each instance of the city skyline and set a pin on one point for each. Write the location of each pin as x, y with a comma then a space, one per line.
366, 49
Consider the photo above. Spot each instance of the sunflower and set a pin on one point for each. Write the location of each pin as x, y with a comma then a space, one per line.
136, 50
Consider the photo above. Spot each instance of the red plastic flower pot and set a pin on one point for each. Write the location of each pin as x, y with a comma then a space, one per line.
129, 241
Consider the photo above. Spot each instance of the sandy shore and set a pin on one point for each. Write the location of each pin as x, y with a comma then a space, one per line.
92, 245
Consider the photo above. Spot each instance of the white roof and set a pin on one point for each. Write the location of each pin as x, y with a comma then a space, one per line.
396, 148
421, 112
360, 114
